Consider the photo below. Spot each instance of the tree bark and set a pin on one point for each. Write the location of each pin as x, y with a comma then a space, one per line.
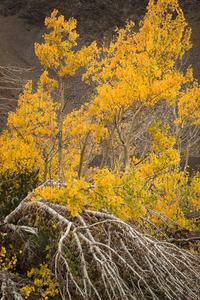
105, 156
60, 136
82, 154
127, 143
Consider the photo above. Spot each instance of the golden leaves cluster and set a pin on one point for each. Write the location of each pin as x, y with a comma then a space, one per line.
57, 53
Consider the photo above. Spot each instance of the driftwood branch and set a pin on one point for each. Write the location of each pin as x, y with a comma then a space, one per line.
111, 258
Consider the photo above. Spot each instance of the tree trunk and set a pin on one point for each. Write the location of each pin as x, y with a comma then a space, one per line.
45, 169
60, 136
105, 156
127, 143
82, 154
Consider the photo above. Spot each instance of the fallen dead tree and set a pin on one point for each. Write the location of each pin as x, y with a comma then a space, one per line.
111, 259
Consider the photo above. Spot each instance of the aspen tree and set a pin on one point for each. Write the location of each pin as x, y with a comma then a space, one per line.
57, 54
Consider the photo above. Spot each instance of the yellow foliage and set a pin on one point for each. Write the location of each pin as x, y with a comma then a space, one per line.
6, 262
139, 67
56, 53
74, 195
44, 283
